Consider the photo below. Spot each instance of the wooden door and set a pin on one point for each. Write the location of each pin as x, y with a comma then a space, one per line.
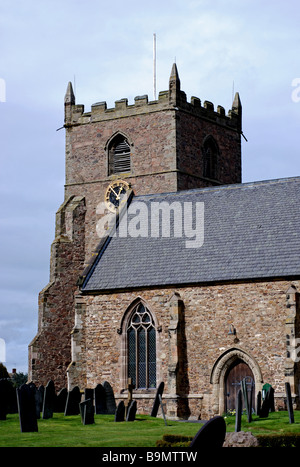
233, 379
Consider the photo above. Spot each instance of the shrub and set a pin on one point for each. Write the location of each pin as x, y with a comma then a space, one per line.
174, 441
290, 440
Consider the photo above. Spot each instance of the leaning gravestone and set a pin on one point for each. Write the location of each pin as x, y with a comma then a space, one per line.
131, 412
100, 399
73, 400
289, 402
49, 400
120, 412
156, 403
26, 408
246, 399
61, 399
211, 435
238, 412
110, 398
87, 412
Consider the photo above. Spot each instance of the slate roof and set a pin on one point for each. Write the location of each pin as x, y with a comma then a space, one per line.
251, 231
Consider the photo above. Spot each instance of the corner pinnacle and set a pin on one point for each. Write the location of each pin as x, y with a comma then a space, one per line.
69, 96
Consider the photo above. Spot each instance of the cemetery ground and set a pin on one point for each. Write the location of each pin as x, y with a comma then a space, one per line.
68, 431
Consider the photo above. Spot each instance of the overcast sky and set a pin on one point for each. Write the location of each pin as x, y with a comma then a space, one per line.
106, 50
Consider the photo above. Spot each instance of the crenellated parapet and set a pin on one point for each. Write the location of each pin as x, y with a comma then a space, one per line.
172, 99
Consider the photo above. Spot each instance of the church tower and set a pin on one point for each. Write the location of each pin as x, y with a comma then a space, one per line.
160, 146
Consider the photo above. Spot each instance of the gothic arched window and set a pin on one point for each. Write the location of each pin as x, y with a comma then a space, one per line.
119, 155
210, 158
141, 348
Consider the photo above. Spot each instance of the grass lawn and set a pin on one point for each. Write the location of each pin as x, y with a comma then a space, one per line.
61, 431
276, 423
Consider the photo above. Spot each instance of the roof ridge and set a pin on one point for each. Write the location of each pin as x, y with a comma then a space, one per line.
231, 186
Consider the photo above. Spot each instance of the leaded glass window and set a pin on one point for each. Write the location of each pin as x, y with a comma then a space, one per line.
141, 336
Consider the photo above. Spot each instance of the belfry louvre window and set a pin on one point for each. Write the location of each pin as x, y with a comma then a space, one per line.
210, 158
141, 338
119, 156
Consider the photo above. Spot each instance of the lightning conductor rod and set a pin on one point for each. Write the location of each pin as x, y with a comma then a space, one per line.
154, 66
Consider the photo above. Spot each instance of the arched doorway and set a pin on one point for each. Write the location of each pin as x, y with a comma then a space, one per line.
221, 369
234, 376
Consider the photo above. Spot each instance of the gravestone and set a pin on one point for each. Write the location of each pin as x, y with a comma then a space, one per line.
4, 397
156, 403
130, 417
40, 398
100, 399
89, 394
26, 408
265, 407
61, 400
211, 435
110, 398
246, 399
238, 412
87, 412
289, 402
120, 412
130, 387
36, 399
49, 400
8, 398
272, 399
258, 403
73, 401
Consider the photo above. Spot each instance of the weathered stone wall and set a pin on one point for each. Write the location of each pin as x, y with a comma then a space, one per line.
257, 310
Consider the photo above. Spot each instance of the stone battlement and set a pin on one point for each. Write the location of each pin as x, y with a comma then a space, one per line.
173, 99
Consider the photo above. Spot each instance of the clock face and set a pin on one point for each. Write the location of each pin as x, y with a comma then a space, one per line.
116, 194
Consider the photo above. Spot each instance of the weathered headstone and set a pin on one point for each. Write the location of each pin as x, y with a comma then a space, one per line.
265, 407
100, 399
89, 394
156, 403
26, 408
40, 398
289, 402
49, 400
36, 399
258, 403
8, 398
87, 412
130, 417
4, 397
238, 411
130, 387
73, 401
110, 398
272, 399
61, 400
120, 412
246, 399
211, 435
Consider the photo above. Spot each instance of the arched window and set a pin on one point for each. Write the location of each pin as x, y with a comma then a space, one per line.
210, 158
141, 348
119, 155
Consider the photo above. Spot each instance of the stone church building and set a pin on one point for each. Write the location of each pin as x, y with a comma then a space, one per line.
165, 266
